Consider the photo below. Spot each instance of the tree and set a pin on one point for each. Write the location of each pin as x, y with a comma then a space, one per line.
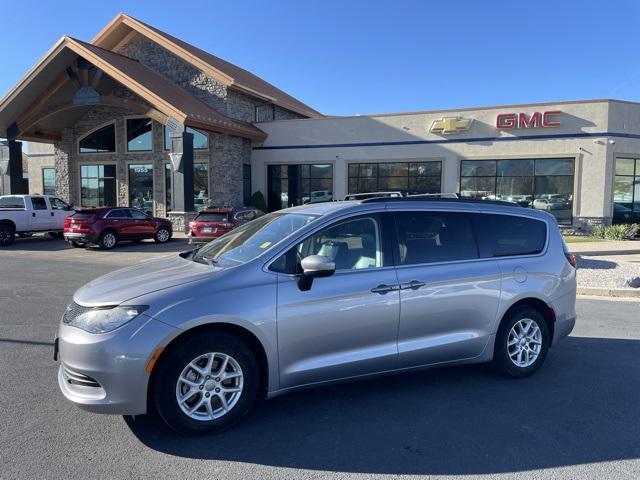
257, 201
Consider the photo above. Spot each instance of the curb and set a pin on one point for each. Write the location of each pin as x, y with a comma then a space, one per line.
604, 253
609, 292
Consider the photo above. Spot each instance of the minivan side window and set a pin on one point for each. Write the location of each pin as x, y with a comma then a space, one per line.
508, 235
352, 244
428, 237
38, 203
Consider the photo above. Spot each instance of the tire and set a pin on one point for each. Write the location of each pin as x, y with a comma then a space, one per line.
108, 240
163, 235
7, 234
77, 244
506, 359
167, 384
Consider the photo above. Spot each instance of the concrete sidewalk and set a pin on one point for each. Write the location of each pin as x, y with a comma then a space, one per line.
605, 248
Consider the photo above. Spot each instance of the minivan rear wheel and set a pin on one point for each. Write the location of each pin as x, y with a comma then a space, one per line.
206, 384
522, 343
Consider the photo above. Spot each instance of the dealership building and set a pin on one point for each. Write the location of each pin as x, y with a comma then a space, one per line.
140, 118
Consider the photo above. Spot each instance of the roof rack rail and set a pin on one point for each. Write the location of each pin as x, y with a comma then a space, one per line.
432, 195
439, 199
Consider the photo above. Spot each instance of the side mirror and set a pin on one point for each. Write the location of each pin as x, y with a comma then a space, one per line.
317, 266
314, 266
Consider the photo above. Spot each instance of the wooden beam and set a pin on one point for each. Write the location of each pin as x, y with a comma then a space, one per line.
43, 136
97, 76
56, 85
106, 100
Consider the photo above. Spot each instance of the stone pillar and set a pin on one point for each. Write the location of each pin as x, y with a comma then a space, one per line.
17, 184
228, 155
66, 174
182, 187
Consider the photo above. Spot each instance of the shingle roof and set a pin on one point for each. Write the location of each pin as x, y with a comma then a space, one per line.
236, 76
195, 110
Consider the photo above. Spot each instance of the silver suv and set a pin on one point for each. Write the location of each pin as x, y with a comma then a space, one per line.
317, 294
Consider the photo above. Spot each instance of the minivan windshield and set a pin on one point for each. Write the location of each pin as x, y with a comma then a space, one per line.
251, 239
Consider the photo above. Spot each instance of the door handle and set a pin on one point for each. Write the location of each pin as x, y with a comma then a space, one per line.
413, 285
382, 289
52, 214
33, 214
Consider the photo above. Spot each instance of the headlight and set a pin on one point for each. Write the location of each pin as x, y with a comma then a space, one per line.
103, 320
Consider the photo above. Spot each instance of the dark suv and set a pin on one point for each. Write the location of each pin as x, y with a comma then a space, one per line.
106, 226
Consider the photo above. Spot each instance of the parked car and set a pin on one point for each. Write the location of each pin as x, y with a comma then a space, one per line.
549, 204
24, 215
318, 197
106, 226
364, 196
317, 294
214, 222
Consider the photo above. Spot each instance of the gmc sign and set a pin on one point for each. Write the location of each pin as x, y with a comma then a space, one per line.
506, 121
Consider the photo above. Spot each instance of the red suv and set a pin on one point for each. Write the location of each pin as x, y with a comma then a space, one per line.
106, 226
216, 221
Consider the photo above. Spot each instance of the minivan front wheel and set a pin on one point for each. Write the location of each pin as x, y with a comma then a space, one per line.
522, 343
206, 384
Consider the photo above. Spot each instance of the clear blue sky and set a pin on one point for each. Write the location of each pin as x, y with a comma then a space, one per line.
348, 57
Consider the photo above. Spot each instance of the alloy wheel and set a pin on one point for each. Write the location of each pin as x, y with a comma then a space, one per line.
209, 386
524, 343
109, 240
163, 235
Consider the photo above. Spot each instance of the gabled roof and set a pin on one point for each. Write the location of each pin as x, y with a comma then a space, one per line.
163, 95
223, 71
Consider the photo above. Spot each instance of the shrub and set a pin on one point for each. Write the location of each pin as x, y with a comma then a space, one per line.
623, 231
257, 201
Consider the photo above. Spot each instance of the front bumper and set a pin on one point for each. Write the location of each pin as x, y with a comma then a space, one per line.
105, 373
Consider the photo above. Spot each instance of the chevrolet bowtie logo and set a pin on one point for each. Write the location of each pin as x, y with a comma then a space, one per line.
449, 125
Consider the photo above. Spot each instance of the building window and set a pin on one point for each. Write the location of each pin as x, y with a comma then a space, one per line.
200, 139
405, 177
102, 140
291, 185
97, 185
141, 187
200, 186
246, 184
626, 191
545, 184
49, 181
139, 135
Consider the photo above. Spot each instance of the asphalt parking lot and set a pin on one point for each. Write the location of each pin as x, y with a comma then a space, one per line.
579, 417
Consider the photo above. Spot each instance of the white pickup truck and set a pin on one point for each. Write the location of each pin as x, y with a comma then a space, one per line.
24, 215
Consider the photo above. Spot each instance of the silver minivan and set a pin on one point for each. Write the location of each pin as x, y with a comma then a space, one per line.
316, 294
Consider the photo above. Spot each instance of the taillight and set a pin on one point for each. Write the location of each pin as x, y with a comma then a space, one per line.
67, 222
571, 258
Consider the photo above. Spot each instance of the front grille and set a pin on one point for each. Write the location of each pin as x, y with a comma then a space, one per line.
72, 311
75, 378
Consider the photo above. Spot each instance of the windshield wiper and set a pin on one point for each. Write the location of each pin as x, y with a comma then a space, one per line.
206, 260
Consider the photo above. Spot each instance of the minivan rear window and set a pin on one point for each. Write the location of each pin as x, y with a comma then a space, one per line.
509, 235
